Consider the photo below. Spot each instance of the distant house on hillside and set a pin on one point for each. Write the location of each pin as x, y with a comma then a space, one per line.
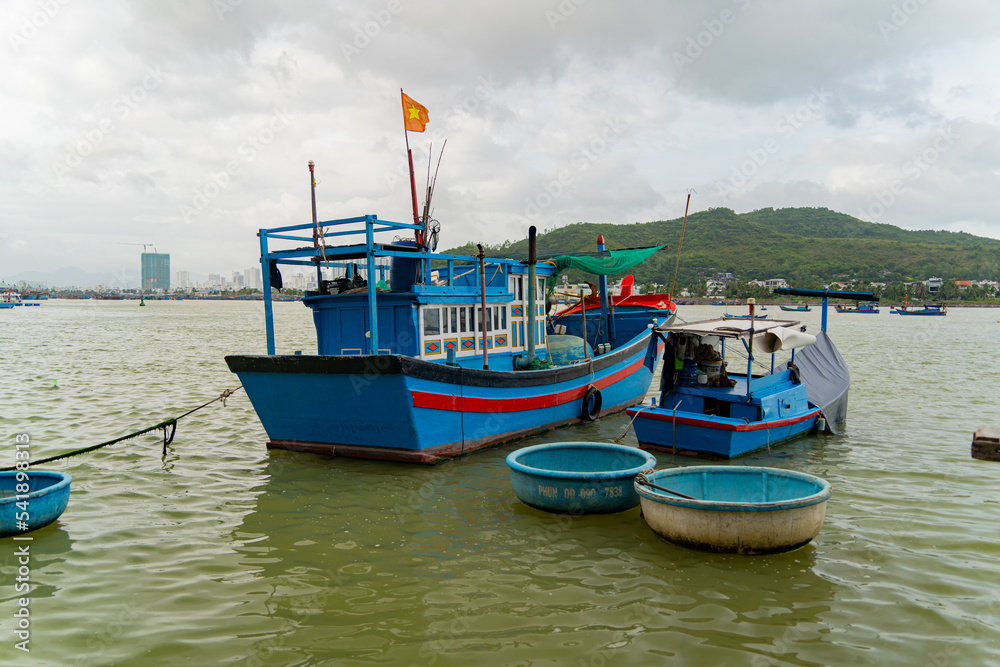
713, 286
933, 284
771, 283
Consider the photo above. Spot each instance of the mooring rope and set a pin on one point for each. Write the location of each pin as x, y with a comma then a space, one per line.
167, 424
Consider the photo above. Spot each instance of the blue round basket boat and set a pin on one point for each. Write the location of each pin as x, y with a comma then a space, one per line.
734, 509
39, 502
578, 477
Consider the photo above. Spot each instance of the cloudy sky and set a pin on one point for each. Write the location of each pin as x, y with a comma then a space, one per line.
188, 124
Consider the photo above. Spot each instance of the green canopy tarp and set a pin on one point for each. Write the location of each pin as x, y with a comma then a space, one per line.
618, 261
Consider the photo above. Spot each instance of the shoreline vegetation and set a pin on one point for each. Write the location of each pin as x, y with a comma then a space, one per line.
806, 247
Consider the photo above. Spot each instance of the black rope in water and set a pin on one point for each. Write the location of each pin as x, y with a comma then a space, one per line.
167, 424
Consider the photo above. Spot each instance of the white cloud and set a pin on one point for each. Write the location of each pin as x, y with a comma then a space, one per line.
576, 110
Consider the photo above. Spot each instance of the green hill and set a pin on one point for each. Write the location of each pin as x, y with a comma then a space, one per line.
801, 245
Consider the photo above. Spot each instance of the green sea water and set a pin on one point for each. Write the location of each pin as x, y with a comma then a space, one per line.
225, 553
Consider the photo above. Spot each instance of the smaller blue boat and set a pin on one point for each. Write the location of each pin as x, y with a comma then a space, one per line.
31, 499
744, 317
734, 509
861, 308
706, 409
578, 477
938, 309
795, 309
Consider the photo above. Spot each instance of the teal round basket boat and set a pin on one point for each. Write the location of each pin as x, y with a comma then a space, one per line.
578, 477
734, 509
35, 500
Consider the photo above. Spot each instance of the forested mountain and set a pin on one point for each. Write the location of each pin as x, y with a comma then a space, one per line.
801, 245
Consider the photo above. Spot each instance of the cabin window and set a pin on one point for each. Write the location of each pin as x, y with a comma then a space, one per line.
432, 322
454, 320
503, 317
714, 406
520, 289
462, 315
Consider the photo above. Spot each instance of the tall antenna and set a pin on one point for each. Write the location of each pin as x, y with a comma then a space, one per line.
680, 245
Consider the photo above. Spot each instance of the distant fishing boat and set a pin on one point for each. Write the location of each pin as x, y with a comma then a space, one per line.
938, 309
861, 308
743, 317
796, 309
11, 298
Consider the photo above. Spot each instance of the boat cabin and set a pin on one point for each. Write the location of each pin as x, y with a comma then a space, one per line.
429, 306
441, 319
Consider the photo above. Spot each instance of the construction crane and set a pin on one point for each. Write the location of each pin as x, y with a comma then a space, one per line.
142, 244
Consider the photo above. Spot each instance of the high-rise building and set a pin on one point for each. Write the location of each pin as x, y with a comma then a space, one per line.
184, 279
155, 271
251, 278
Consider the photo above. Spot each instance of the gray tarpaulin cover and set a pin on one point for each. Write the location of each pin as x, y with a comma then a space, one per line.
826, 378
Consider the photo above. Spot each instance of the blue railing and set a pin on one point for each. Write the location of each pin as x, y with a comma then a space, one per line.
317, 254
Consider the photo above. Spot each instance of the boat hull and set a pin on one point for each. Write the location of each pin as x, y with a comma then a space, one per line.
578, 477
742, 510
45, 501
660, 429
395, 407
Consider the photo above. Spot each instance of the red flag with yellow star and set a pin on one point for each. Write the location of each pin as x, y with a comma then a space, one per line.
415, 116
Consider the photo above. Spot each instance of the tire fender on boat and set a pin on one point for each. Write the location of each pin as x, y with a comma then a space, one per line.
592, 403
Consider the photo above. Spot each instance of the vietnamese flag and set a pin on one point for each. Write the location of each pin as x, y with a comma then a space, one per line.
415, 116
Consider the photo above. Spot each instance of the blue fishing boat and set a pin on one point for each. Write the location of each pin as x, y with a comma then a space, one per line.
796, 309
931, 309
31, 499
743, 317
442, 355
10, 298
707, 410
861, 309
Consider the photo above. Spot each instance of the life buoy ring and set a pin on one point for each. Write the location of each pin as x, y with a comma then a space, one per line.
592, 403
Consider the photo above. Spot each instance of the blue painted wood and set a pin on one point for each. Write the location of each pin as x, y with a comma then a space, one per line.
46, 497
380, 388
578, 477
778, 411
861, 308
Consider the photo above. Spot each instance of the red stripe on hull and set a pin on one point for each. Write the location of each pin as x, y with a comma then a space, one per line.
704, 423
425, 399
431, 455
